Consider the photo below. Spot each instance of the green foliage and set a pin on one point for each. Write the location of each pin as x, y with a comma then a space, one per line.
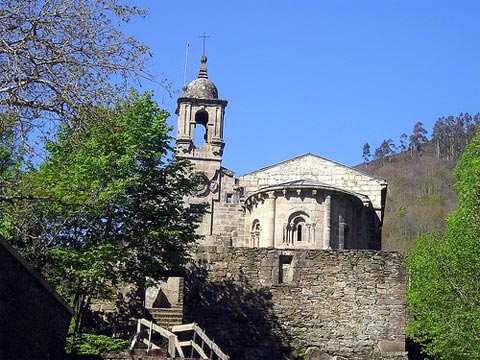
444, 291
386, 149
106, 207
366, 152
419, 198
93, 344
401, 212
418, 138
451, 134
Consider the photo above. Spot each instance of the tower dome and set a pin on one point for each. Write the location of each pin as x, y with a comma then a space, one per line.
201, 88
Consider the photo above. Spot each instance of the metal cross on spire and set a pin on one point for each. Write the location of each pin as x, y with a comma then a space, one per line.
205, 37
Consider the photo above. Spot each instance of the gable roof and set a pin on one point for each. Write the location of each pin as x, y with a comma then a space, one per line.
40, 280
321, 158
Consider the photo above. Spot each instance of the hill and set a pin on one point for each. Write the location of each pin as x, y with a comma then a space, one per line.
419, 196
420, 193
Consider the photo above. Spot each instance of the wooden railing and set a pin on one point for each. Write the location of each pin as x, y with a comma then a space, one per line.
205, 341
175, 346
173, 343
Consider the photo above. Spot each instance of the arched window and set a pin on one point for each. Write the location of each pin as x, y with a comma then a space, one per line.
299, 230
200, 136
255, 234
297, 223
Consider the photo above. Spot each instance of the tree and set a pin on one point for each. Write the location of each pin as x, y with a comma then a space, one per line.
452, 134
387, 148
106, 207
366, 152
418, 138
441, 138
58, 56
403, 142
444, 291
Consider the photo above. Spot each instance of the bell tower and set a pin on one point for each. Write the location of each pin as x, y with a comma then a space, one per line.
200, 139
200, 123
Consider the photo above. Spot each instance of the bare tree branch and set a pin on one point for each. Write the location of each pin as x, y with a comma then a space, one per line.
57, 56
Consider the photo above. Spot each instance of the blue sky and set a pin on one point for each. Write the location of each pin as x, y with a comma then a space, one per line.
319, 76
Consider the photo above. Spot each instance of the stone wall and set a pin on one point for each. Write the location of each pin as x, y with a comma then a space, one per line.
165, 294
223, 222
297, 304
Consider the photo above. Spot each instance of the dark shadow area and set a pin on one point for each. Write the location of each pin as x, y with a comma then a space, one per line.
161, 301
236, 315
415, 351
120, 321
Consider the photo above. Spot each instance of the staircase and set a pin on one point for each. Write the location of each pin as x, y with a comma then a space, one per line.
165, 344
167, 317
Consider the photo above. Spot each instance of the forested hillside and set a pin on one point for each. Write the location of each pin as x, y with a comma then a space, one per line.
419, 176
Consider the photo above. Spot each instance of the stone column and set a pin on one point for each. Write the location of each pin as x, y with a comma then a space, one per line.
187, 127
327, 208
270, 225
216, 123
341, 233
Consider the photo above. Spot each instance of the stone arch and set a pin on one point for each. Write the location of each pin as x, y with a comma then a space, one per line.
299, 229
255, 231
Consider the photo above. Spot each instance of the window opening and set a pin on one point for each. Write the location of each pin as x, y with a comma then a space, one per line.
229, 198
285, 270
255, 234
200, 135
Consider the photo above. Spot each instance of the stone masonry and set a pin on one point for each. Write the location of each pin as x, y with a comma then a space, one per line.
296, 304
323, 170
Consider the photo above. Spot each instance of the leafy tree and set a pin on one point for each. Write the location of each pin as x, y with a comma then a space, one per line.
366, 152
441, 138
418, 138
106, 207
403, 142
452, 134
444, 291
57, 56
9, 157
387, 148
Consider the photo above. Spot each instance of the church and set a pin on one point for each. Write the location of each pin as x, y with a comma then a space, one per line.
306, 202
288, 265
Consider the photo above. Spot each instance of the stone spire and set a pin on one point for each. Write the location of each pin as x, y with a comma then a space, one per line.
202, 74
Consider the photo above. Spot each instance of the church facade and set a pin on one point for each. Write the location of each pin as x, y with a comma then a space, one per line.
307, 202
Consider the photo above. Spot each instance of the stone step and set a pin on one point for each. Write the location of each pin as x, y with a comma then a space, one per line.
166, 316
173, 308
168, 324
165, 311
171, 314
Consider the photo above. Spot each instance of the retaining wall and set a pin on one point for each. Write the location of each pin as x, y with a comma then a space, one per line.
299, 304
